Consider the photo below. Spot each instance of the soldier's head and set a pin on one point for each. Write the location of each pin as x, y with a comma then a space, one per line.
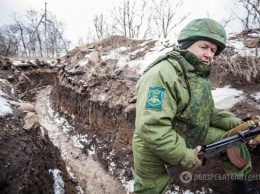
206, 30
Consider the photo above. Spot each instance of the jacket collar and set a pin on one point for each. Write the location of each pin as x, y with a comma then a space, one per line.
201, 68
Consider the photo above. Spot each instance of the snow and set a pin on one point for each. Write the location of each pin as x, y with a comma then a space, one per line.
82, 63
76, 139
241, 49
161, 47
66, 128
31, 63
2, 93
158, 50
58, 182
2, 80
177, 190
256, 96
71, 174
226, 97
116, 54
21, 64
129, 185
5, 105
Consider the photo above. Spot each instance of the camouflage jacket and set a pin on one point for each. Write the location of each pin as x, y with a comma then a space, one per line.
173, 112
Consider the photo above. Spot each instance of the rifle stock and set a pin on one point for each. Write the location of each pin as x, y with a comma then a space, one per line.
217, 148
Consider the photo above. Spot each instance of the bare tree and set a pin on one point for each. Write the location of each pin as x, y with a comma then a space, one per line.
19, 25
35, 37
166, 16
55, 38
99, 24
251, 16
28, 35
8, 40
129, 18
225, 22
90, 36
80, 41
147, 31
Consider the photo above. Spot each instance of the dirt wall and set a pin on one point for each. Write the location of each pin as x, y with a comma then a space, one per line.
109, 129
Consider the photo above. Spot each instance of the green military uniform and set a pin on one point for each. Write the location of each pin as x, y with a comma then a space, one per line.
175, 113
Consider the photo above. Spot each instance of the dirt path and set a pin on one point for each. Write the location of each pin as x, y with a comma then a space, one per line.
91, 176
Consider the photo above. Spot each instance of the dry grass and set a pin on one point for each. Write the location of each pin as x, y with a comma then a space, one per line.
244, 67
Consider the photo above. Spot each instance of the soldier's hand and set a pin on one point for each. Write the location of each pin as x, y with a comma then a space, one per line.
196, 162
256, 120
253, 142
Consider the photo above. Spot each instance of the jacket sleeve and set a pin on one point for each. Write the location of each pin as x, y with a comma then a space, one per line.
154, 125
223, 119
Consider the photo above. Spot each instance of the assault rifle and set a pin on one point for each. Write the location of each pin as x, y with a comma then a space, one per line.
217, 148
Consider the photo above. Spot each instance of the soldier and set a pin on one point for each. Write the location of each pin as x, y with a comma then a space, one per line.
175, 111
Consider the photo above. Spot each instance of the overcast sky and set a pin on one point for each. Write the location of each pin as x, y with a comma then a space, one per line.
78, 14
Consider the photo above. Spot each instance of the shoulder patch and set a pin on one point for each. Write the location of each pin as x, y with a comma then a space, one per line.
155, 98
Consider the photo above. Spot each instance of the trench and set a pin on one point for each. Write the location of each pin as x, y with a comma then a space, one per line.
85, 169
100, 102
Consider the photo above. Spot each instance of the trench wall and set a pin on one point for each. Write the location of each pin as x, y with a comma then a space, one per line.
109, 129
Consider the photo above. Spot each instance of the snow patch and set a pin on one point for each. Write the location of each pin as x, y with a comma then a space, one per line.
241, 49
226, 97
2, 93
58, 182
129, 185
2, 80
5, 107
161, 47
76, 139
256, 96
6, 104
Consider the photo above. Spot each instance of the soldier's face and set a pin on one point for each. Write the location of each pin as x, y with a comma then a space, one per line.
204, 50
